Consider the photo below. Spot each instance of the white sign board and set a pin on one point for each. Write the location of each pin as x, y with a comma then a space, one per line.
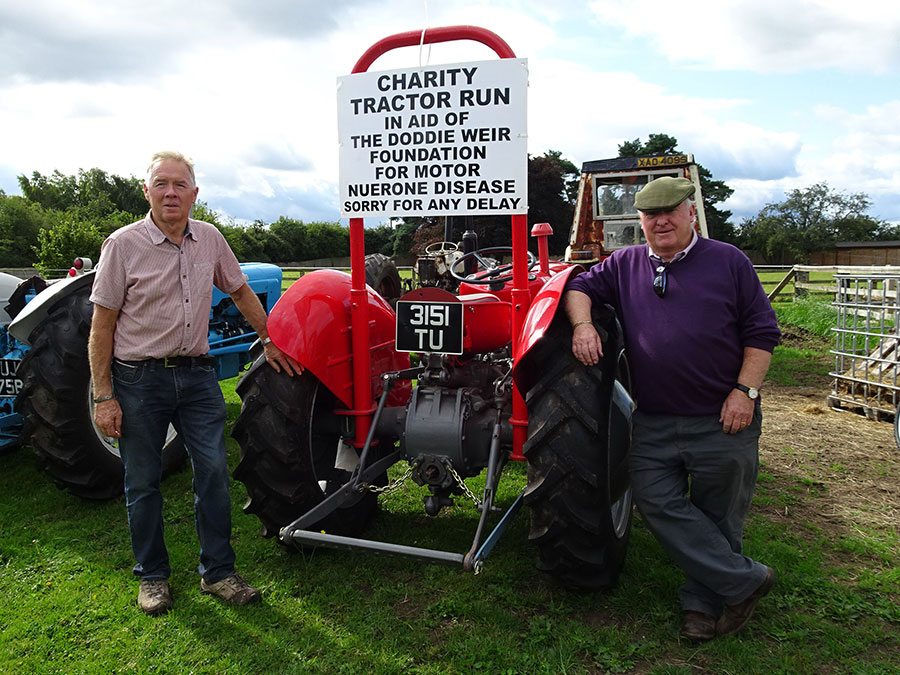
434, 141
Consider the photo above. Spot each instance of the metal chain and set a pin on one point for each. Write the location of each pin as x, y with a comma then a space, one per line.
465, 488
391, 487
395, 484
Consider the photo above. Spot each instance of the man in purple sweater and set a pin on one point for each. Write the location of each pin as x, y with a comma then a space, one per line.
699, 334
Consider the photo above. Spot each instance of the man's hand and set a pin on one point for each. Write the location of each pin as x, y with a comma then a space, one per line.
108, 418
278, 360
737, 412
249, 305
586, 345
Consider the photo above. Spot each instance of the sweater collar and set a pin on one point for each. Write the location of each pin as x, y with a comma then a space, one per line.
677, 256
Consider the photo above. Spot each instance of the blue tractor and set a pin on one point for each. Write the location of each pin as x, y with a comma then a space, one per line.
45, 391
45, 380
11, 354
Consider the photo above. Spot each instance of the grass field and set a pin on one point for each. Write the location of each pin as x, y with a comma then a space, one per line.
67, 597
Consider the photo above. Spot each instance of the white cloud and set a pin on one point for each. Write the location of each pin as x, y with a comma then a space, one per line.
248, 88
615, 107
863, 155
765, 35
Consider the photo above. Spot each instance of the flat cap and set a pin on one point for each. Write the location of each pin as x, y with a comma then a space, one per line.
663, 194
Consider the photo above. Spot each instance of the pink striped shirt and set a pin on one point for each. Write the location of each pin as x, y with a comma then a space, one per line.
163, 292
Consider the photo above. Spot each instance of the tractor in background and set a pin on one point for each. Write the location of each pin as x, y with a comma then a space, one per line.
45, 399
605, 218
11, 354
46, 365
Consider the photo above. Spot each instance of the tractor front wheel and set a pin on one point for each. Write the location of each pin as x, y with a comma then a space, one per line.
56, 403
578, 489
289, 435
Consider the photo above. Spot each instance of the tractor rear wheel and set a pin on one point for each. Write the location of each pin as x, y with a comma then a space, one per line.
56, 403
289, 433
578, 489
382, 275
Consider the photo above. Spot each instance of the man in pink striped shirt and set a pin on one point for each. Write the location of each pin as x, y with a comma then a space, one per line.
148, 351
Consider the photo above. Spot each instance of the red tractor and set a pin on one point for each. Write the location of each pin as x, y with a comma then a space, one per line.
495, 381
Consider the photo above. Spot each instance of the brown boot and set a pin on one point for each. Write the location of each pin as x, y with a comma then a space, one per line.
735, 617
698, 625
154, 596
232, 589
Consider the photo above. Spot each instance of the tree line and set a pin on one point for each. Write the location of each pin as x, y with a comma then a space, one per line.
808, 219
59, 217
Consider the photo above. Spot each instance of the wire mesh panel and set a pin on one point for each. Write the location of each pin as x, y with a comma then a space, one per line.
866, 345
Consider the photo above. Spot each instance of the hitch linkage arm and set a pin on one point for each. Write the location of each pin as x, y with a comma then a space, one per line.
363, 473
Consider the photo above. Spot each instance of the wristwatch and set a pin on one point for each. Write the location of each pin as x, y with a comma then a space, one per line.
752, 392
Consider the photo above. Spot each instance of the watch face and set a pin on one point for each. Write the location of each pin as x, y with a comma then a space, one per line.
752, 393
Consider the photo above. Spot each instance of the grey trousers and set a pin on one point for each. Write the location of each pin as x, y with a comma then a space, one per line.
693, 486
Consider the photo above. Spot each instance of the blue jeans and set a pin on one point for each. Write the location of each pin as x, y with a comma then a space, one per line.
188, 397
693, 485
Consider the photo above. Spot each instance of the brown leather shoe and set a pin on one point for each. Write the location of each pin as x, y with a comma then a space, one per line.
735, 617
232, 589
154, 596
698, 625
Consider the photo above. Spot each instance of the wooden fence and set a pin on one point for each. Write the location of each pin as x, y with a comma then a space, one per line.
798, 281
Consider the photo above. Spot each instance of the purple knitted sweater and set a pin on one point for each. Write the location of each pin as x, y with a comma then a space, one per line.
686, 348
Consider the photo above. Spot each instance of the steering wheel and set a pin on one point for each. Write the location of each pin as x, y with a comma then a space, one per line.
493, 273
441, 247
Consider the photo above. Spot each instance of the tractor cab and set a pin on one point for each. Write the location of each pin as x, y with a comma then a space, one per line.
605, 217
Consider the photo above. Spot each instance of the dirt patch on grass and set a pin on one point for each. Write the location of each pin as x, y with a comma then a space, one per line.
800, 338
837, 470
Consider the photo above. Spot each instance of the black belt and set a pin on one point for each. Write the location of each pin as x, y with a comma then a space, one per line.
174, 361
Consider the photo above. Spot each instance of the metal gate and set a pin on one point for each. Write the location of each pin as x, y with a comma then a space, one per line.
867, 341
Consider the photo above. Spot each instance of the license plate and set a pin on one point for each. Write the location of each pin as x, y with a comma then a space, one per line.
430, 327
10, 384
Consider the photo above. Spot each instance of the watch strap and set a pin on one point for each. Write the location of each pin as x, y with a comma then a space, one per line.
752, 392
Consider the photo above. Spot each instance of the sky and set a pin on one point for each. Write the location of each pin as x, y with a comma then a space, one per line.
769, 95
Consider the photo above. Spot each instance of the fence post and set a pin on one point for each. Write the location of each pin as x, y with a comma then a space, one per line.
801, 277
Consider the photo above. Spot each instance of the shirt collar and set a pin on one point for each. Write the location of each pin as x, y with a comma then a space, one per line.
157, 236
680, 254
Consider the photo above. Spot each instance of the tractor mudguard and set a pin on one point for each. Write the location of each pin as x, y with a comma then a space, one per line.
543, 309
311, 323
39, 308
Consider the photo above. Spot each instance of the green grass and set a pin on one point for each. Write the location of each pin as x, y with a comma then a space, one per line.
67, 597
795, 367
290, 276
814, 315
67, 600
803, 358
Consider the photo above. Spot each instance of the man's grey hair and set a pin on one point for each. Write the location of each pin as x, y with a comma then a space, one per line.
690, 201
163, 155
